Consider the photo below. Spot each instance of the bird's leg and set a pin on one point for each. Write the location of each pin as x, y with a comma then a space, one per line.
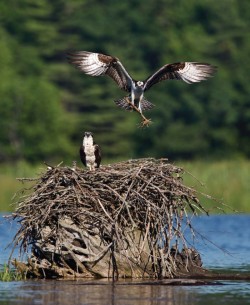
90, 167
145, 121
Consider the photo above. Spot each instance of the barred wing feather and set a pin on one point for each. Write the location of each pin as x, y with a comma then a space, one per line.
96, 64
190, 72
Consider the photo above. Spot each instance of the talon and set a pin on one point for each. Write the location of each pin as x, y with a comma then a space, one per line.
145, 123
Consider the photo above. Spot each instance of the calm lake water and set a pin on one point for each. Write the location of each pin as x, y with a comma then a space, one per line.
230, 250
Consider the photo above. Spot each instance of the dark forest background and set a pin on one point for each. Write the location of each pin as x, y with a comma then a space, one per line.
46, 105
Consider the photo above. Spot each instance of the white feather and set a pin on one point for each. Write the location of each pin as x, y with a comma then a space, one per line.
91, 65
89, 150
194, 73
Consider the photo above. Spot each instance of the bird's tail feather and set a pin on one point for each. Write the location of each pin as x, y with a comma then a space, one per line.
146, 105
123, 103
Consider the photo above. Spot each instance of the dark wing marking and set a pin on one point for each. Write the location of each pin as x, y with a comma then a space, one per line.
82, 155
96, 64
190, 72
98, 156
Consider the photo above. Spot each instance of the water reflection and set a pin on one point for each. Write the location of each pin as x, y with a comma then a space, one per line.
63, 293
103, 292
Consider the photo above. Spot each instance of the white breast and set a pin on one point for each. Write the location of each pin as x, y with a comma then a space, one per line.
89, 150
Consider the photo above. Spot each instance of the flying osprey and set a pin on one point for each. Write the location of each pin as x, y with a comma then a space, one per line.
96, 64
90, 152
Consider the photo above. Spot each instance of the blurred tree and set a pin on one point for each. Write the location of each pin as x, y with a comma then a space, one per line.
39, 91
31, 124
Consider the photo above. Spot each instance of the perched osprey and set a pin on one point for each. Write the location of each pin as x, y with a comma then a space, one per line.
90, 152
96, 64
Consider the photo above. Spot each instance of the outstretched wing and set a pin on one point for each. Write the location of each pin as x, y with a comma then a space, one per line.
96, 64
190, 72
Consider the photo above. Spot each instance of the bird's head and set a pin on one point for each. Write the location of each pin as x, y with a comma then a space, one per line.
139, 84
88, 134
88, 138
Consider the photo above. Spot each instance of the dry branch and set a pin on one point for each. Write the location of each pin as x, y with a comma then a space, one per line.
126, 219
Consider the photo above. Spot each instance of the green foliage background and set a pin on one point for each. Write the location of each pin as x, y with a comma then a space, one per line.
46, 105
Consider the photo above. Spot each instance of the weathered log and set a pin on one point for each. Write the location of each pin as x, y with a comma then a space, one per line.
122, 220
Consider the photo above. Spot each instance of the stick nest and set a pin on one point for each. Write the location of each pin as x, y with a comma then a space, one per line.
126, 219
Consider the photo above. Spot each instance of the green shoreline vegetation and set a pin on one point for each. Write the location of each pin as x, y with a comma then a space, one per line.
7, 274
227, 181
